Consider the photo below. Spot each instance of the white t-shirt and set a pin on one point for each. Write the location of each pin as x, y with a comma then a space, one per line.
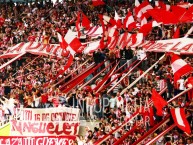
112, 102
181, 84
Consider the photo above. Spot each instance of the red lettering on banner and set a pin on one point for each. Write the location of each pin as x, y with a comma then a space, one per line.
16, 127
34, 47
64, 116
164, 46
41, 140
50, 128
175, 46
45, 116
148, 45
187, 47
155, 46
37, 117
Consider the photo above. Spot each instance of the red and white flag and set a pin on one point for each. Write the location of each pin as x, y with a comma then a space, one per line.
82, 21
137, 3
108, 20
97, 2
179, 117
70, 42
179, 67
142, 9
129, 22
118, 20
112, 37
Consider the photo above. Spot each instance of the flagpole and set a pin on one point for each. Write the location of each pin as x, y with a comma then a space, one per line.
171, 127
70, 73
125, 76
27, 64
181, 93
94, 76
100, 141
161, 134
111, 73
133, 83
189, 32
119, 75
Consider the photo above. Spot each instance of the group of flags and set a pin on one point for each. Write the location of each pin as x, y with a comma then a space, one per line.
111, 27
179, 68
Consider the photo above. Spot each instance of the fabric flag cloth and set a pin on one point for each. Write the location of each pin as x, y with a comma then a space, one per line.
129, 22
177, 33
142, 9
159, 16
82, 21
179, 117
118, 20
162, 5
137, 3
179, 67
72, 43
97, 2
158, 102
146, 28
178, 11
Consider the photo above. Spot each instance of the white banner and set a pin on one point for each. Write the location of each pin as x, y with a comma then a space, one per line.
181, 45
49, 114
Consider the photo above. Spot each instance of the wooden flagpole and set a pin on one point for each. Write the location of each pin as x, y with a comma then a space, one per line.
133, 83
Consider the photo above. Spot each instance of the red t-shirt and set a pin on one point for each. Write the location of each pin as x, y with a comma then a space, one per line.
44, 98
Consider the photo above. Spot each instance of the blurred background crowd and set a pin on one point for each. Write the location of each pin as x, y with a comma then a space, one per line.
26, 82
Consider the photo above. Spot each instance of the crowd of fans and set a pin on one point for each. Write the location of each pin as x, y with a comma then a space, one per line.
26, 82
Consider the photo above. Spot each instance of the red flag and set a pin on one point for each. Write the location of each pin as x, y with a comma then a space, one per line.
179, 67
85, 22
158, 102
177, 33
97, 2
73, 42
62, 42
179, 117
160, 16
146, 28
178, 11
118, 20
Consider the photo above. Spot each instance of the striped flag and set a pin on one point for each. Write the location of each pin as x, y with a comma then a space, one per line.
179, 117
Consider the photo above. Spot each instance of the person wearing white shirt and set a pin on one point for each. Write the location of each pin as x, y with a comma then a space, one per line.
180, 83
112, 102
